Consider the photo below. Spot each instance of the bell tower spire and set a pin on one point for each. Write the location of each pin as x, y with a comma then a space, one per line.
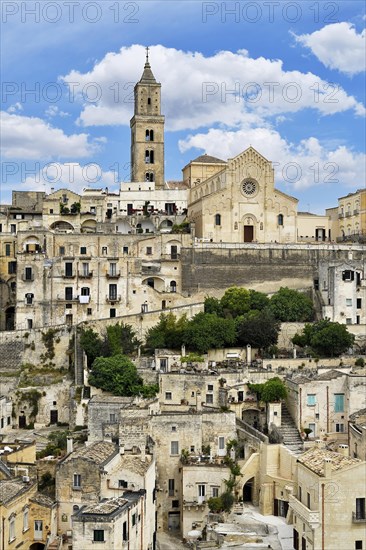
147, 130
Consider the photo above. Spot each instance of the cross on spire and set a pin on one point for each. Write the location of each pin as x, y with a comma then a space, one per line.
147, 54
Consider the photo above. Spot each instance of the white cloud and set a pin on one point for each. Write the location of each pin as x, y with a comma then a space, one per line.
32, 138
337, 46
68, 175
227, 88
53, 111
15, 108
297, 167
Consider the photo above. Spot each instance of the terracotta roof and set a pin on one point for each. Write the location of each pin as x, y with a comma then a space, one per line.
209, 159
314, 460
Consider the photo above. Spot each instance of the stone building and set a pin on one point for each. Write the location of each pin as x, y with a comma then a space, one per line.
240, 203
324, 402
113, 523
328, 509
357, 434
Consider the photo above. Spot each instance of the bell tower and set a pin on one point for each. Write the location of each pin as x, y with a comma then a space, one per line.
147, 130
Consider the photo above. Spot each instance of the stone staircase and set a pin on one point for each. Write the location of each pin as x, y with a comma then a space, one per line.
289, 432
238, 508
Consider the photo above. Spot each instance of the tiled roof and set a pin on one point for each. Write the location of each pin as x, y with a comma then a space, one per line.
98, 452
9, 489
314, 460
42, 500
133, 463
209, 160
359, 417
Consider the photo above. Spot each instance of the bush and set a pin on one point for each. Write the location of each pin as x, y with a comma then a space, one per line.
360, 362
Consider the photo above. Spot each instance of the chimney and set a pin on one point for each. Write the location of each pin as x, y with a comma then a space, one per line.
343, 450
69, 445
327, 467
198, 401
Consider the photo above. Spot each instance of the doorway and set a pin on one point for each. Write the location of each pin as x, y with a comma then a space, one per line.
22, 421
248, 233
173, 521
53, 417
248, 490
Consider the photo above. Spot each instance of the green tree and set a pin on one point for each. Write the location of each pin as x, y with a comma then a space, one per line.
167, 333
116, 374
272, 390
258, 300
325, 338
206, 331
92, 344
236, 301
122, 339
259, 329
213, 305
291, 306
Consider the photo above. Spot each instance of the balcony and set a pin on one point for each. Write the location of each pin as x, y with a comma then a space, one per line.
113, 298
68, 275
172, 257
88, 275
63, 298
348, 214
341, 215
311, 517
110, 275
356, 212
358, 518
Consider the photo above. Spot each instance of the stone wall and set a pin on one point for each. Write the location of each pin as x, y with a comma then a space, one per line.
265, 267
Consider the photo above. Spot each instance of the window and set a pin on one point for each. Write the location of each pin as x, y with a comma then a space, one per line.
12, 268
340, 428
113, 270
221, 443
7, 249
168, 395
308, 500
133, 520
76, 480
112, 417
29, 298
215, 492
149, 135
98, 535
104, 250
30, 323
300, 494
171, 487
339, 402
68, 292
209, 398
148, 250
85, 291
11, 528
13, 228
280, 219
124, 531
163, 364
113, 292
201, 492
174, 428
359, 303
209, 387
68, 269
123, 483
175, 503
348, 321
38, 529
217, 219
173, 286
149, 156
62, 251
125, 250
348, 275
28, 274
174, 447
112, 313
311, 399
348, 302
26, 520
85, 268
83, 250
360, 508
358, 544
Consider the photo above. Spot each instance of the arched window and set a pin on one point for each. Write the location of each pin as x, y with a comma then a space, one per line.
85, 291
149, 176
149, 157
29, 298
173, 286
149, 135
280, 219
217, 219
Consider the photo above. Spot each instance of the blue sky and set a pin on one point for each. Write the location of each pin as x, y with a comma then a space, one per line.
285, 77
